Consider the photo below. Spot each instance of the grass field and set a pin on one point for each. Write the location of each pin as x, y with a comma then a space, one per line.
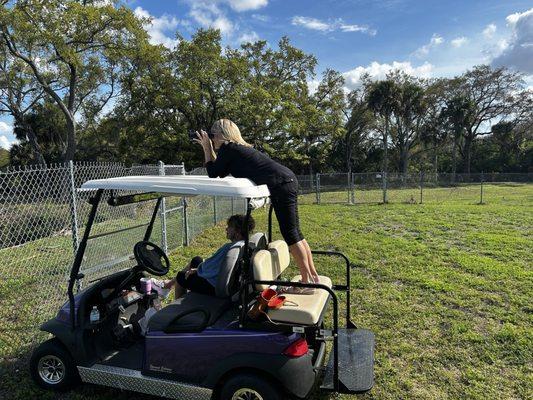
445, 286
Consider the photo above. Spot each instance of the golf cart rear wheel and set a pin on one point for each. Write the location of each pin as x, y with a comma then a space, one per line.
52, 367
249, 387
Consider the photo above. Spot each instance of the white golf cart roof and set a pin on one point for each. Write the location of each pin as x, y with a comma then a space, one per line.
186, 185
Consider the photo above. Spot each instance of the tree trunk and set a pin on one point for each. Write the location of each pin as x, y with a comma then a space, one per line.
385, 145
404, 162
32, 139
454, 158
71, 139
385, 159
468, 152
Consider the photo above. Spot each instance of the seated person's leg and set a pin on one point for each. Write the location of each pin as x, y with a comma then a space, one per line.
188, 279
192, 281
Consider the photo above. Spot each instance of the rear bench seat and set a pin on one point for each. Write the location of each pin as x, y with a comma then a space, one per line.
302, 309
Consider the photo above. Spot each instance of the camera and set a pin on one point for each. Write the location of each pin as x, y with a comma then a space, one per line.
192, 134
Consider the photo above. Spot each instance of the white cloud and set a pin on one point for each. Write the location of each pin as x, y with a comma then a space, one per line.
4, 142
458, 42
158, 28
6, 135
209, 15
248, 37
435, 41
518, 52
358, 28
489, 31
330, 25
245, 5
5, 128
379, 71
313, 85
311, 23
213, 13
261, 17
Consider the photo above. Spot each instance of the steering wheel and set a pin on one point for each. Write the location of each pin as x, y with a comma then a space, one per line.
151, 258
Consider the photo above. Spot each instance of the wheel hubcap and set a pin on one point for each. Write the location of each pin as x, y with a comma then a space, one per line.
246, 394
51, 369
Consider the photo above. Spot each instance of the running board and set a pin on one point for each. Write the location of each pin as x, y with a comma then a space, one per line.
356, 362
133, 380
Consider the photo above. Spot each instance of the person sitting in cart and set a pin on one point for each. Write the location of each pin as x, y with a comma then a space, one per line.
201, 275
236, 157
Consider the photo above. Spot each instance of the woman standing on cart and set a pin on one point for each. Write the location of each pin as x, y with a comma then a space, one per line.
227, 153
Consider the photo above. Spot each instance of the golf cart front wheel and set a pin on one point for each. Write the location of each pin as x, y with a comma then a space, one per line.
52, 367
249, 387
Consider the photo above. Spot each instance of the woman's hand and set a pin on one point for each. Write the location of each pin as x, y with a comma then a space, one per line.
207, 145
203, 140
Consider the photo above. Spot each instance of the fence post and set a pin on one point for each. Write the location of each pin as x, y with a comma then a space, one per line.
74, 215
214, 210
421, 185
317, 187
163, 213
185, 222
481, 190
349, 187
352, 182
384, 182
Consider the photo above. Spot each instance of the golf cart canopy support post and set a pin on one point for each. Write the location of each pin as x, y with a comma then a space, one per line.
74, 272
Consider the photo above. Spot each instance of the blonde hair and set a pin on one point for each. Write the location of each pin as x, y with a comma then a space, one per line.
229, 131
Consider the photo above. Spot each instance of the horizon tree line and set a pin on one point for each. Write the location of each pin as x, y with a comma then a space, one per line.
83, 82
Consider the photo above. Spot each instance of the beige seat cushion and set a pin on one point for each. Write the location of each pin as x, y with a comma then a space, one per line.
308, 307
269, 264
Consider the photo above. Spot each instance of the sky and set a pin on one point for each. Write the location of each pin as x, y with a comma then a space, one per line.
423, 38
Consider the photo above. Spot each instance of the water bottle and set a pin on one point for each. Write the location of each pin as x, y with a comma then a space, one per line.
95, 315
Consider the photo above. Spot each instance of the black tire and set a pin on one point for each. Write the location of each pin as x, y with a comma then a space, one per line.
52, 367
251, 382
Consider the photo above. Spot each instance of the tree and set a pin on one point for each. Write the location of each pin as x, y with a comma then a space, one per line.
459, 112
19, 92
47, 124
319, 121
275, 97
382, 98
359, 124
73, 49
433, 132
491, 93
408, 112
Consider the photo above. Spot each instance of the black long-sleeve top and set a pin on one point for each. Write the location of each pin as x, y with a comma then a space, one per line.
246, 162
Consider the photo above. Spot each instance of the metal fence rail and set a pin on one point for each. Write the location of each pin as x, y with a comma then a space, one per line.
417, 188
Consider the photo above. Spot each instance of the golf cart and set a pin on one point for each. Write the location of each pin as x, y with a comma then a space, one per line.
202, 346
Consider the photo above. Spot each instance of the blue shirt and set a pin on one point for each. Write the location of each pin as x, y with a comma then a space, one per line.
210, 267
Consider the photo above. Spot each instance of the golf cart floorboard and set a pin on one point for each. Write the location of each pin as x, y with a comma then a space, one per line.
131, 357
130, 379
356, 362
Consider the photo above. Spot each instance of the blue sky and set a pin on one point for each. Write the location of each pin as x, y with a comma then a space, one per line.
424, 38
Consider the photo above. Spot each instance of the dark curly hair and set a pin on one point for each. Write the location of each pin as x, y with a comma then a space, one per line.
237, 221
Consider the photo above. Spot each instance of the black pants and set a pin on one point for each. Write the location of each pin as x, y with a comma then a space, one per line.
194, 282
284, 199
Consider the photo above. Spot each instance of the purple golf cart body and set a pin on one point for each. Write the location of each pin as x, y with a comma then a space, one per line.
203, 346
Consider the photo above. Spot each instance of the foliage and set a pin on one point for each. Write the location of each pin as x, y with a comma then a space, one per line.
114, 96
4, 157
73, 49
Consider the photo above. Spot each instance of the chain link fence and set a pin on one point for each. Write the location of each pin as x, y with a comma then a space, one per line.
42, 219
43, 215
378, 187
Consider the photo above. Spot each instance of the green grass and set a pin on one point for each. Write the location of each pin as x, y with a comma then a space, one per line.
445, 286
